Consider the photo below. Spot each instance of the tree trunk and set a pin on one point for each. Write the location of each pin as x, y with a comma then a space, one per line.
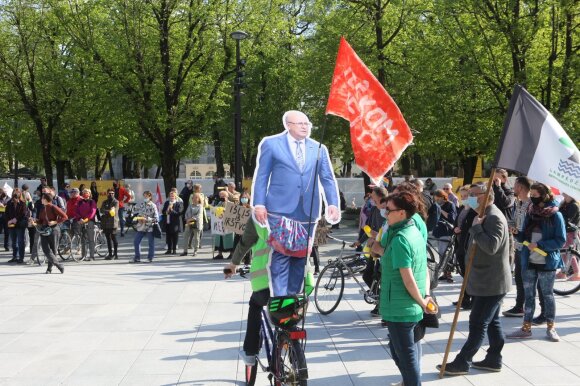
110, 159
83, 168
349, 169
469, 164
69, 170
418, 161
168, 172
47, 163
60, 171
366, 181
97, 166
406, 164
566, 86
219, 160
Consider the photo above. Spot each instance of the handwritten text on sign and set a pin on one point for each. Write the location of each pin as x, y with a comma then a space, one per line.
236, 217
217, 225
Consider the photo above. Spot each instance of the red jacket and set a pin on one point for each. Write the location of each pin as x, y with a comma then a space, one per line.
71, 206
123, 196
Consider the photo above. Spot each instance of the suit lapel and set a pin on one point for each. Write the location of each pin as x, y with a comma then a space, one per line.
285, 147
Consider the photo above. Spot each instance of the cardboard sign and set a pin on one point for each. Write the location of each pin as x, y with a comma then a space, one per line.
217, 224
236, 217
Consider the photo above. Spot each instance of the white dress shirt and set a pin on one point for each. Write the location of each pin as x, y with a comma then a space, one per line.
293, 145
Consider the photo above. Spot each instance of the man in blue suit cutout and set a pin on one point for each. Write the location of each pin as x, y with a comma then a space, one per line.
283, 184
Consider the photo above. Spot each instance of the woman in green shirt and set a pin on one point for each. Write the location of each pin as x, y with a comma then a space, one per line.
404, 283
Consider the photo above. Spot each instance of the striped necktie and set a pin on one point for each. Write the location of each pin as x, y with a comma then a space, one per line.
299, 155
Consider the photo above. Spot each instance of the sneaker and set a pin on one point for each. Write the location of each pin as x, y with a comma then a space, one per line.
398, 384
487, 365
519, 334
135, 261
514, 312
453, 368
249, 360
218, 257
539, 320
375, 313
552, 335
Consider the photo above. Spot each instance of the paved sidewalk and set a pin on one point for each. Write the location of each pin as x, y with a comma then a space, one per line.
177, 321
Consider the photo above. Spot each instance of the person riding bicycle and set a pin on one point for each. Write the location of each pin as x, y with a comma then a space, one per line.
85, 222
255, 238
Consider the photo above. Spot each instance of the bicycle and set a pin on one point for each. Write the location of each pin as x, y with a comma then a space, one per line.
562, 286
77, 242
438, 264
284, 344
129, 216
65, 241
329, 287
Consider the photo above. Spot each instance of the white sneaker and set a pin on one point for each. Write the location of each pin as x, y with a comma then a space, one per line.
249, 360
398, 384
552, 335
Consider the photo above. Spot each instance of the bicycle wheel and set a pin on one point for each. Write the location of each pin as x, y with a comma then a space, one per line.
100, 244
64, 246
562, 286
76, 249
329, 289
289, 362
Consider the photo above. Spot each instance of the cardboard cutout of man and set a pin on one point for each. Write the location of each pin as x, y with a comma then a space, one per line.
283, 186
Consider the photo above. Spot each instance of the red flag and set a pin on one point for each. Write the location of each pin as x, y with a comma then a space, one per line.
378, 131
158, 199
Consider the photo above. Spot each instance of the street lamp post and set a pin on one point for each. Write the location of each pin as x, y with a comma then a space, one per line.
238, 36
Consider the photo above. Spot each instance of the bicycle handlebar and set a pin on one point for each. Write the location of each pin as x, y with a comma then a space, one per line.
242, 271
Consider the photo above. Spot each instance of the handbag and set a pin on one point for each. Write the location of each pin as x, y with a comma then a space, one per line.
45, 231
156, 230
289, 238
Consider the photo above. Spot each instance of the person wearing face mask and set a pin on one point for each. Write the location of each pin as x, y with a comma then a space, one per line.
465, 216
85, 222
110, 223
489, 281
172, 210
444, 228
193, 224
147, 216
123, 196
17, 215
543, 228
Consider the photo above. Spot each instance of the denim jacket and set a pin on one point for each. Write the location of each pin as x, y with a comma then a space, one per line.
553, 238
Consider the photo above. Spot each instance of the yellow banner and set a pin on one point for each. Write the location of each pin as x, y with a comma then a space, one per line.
102, 186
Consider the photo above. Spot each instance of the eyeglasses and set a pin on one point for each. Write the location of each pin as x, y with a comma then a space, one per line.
392, 210
299, 123
475, 194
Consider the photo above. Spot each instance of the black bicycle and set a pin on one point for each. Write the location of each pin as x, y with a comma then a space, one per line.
129, 216
282, 342
437, 263
329, 287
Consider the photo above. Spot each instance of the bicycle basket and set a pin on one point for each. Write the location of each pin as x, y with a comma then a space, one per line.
287, 311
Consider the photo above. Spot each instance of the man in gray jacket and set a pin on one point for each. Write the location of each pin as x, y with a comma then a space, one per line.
489, 281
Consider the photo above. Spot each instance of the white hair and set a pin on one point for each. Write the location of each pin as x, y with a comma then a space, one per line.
285, 117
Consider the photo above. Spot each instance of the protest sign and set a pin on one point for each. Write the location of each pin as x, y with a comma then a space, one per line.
217, 223
235, 218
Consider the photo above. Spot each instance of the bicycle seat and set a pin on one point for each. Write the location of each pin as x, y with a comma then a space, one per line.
287, 311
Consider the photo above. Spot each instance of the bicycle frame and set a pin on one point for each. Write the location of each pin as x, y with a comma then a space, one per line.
339, 262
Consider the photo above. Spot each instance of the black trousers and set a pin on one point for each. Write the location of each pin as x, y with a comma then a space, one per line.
316, 257
48, 244
252, 340
171, 239
112, 244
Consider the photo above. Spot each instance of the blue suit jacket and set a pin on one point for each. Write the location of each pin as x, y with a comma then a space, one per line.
279, 184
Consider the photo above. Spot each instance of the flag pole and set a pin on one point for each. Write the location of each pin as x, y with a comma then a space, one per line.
481, 213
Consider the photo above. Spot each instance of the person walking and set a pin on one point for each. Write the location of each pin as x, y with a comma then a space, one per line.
543, 229
17, 215
147, 217
193, 224
110, 223
489, 281
50, 217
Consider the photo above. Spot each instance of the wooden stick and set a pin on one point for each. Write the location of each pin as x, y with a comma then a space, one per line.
481, 213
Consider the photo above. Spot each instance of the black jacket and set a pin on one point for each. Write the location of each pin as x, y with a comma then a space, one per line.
505, 200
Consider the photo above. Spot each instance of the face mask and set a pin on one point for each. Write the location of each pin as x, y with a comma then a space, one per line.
472, 202
536, 200
147, 200
86, 196
383, 212
244, 200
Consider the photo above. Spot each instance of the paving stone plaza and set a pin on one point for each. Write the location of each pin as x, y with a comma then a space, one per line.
177, 322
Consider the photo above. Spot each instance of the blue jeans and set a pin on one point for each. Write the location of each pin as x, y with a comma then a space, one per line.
287, 274
17, 238
137, 243
122, 218
484, 318
405, 352
544, 281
